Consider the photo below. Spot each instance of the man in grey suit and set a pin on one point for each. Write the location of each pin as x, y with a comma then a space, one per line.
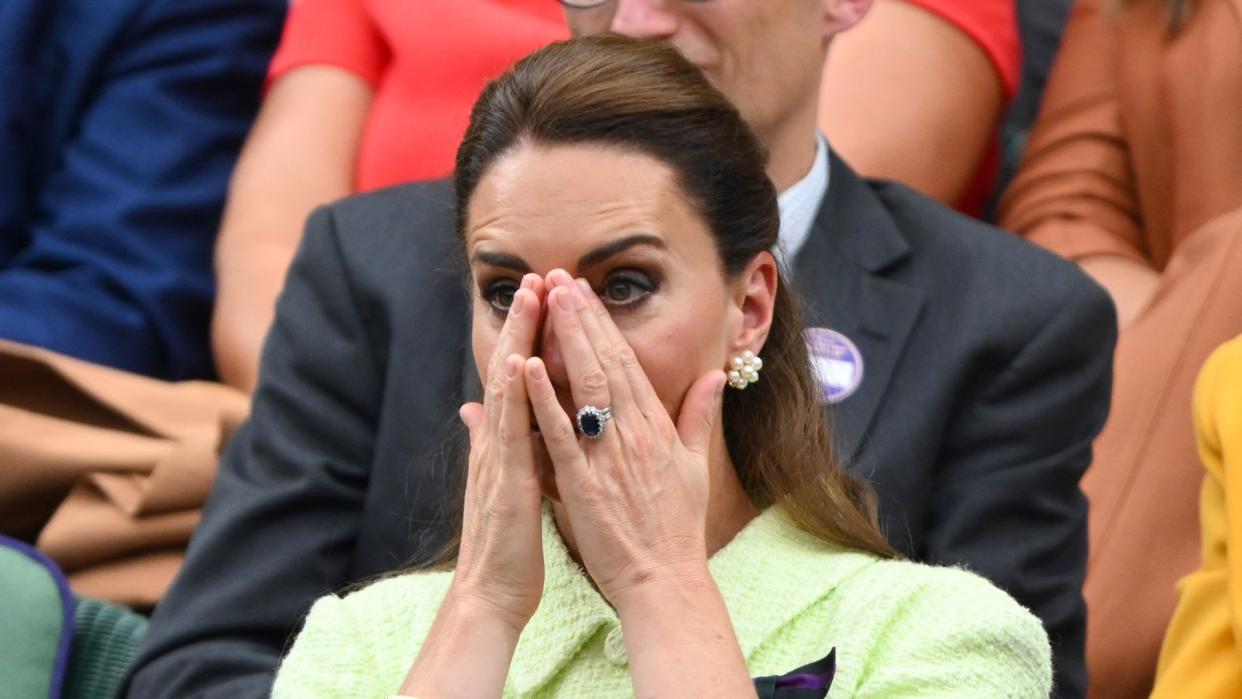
968, 373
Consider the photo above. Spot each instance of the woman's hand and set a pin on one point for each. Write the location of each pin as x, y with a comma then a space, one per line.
498, 580
500, 563
636, 498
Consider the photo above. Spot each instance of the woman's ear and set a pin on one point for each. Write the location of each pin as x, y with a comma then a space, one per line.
755, 296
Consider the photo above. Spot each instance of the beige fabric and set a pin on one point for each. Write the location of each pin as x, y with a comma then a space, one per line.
1144, 483
107, 471
1136, 153
1138, 141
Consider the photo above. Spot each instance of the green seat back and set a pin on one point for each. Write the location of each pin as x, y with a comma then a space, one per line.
36, 623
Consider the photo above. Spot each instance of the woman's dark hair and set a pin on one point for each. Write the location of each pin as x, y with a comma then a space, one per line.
644, 96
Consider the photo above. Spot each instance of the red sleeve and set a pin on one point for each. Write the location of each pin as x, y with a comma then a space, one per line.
331, 32
993, 25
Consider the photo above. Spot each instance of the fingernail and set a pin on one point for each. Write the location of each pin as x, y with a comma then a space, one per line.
510, 367
516, 307
537, 371
586, 288
566, 299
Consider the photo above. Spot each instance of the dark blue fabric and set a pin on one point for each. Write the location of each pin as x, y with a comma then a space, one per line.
120, 121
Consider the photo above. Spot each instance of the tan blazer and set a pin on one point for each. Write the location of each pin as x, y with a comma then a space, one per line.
1139, 140
1138, 152
107, 471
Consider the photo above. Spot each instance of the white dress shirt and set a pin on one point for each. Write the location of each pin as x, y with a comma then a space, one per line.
800, 203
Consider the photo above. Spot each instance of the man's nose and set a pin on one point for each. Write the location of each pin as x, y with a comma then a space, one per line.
645, 19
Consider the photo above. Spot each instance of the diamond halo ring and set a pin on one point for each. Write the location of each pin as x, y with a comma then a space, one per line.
592, 421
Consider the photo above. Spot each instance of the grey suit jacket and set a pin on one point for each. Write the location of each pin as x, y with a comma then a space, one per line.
988, 366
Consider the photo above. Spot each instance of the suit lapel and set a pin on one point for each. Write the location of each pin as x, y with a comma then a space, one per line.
840, 274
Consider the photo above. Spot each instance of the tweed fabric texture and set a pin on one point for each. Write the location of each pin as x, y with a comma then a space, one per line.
900, 628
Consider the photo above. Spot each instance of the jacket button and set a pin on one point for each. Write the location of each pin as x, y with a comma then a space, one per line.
614, 648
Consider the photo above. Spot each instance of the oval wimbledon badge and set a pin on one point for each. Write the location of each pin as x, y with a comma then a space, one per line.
836, 361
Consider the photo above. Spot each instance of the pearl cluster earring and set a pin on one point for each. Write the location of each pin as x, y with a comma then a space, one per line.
744, 370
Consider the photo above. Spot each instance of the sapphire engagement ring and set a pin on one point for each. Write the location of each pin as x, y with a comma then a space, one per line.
592, 421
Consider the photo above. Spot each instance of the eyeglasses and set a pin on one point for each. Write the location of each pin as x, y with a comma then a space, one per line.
589, 4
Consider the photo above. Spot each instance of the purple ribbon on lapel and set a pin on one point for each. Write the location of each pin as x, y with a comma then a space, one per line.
810, 681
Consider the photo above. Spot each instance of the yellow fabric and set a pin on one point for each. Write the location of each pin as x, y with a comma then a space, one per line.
1202, 653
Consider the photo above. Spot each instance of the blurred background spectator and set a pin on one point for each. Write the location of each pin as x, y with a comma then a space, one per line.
917, 91
119, 124
120, 121
1132, 172
366, 94
1040, 25
362, 94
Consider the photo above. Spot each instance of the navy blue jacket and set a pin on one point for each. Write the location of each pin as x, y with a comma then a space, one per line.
120, 121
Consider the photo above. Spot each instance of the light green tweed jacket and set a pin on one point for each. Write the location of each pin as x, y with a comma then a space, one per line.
900, 629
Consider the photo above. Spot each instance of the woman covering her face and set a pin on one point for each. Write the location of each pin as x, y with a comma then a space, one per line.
651, 505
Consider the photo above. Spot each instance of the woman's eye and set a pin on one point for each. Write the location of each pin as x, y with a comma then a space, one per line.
625, 290
500, 296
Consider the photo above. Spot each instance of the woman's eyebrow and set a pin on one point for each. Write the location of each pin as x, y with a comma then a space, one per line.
500, 259
607, 250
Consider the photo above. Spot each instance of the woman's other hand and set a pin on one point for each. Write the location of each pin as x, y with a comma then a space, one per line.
636, 497
501, 558
498, 580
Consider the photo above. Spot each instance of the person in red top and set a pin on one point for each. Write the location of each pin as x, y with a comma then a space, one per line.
916, 91
365, 94
425, 61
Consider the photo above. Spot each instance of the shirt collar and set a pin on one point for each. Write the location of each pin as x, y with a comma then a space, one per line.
801, 202
797, 569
